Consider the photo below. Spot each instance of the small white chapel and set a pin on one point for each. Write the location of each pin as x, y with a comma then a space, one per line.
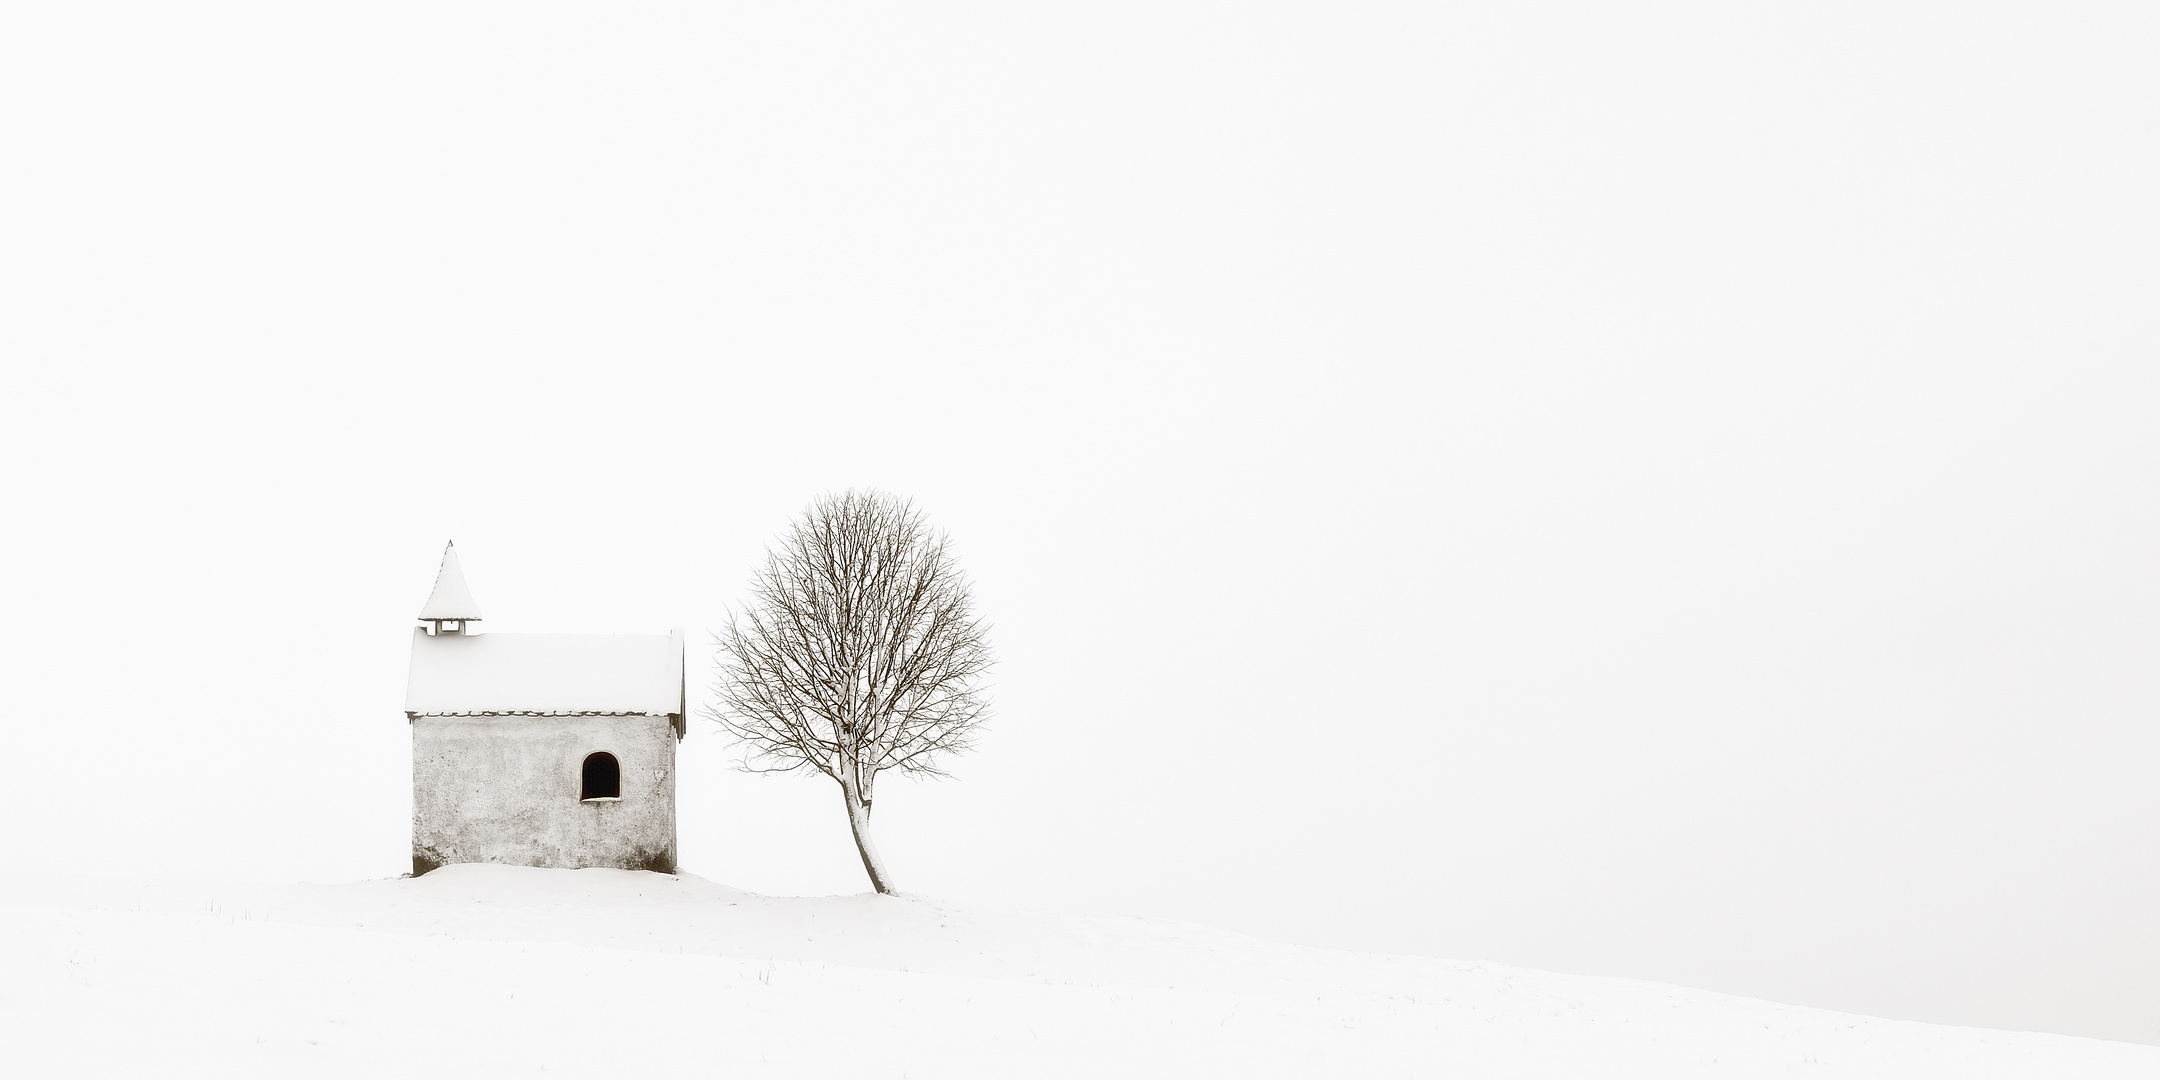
540, 749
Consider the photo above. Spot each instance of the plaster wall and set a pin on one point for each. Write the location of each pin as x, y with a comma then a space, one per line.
504, 789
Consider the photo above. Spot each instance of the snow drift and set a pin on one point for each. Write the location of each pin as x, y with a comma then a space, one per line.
489, 970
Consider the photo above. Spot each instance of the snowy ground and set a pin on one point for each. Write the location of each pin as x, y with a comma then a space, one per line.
485, 971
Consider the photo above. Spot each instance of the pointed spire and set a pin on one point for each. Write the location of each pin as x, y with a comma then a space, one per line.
451, 600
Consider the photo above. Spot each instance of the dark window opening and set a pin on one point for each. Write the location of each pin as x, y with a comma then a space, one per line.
603, 778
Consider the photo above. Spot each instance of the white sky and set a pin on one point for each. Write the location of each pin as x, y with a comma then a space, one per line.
1666, 492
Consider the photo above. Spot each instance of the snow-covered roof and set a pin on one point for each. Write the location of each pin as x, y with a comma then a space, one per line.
546, 674
451, 599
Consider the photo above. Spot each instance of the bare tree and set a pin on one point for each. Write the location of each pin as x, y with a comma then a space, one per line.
859, 652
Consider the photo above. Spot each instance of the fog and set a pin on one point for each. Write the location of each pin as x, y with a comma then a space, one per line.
1666, 492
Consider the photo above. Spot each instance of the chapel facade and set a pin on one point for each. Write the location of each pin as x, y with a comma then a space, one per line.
540, 749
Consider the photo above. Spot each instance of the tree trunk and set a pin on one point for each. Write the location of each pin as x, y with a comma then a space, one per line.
858, 818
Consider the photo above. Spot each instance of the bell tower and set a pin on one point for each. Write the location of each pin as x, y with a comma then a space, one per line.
451, 602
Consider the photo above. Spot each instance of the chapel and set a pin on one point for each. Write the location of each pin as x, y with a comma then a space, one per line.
540, 749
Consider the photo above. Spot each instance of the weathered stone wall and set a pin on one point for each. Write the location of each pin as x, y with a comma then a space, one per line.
504, 789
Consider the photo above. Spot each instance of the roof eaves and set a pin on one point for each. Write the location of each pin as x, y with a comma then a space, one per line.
543, 712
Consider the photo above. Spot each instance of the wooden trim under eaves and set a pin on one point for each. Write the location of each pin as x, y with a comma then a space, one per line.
675, 718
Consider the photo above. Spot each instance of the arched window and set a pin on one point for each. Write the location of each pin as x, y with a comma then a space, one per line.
603, 778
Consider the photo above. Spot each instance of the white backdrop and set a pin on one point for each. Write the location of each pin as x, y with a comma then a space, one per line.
1662, 492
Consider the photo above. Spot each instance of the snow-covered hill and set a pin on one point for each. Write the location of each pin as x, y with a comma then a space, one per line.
489, 971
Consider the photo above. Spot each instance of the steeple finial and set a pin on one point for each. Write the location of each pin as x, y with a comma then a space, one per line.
451, 601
